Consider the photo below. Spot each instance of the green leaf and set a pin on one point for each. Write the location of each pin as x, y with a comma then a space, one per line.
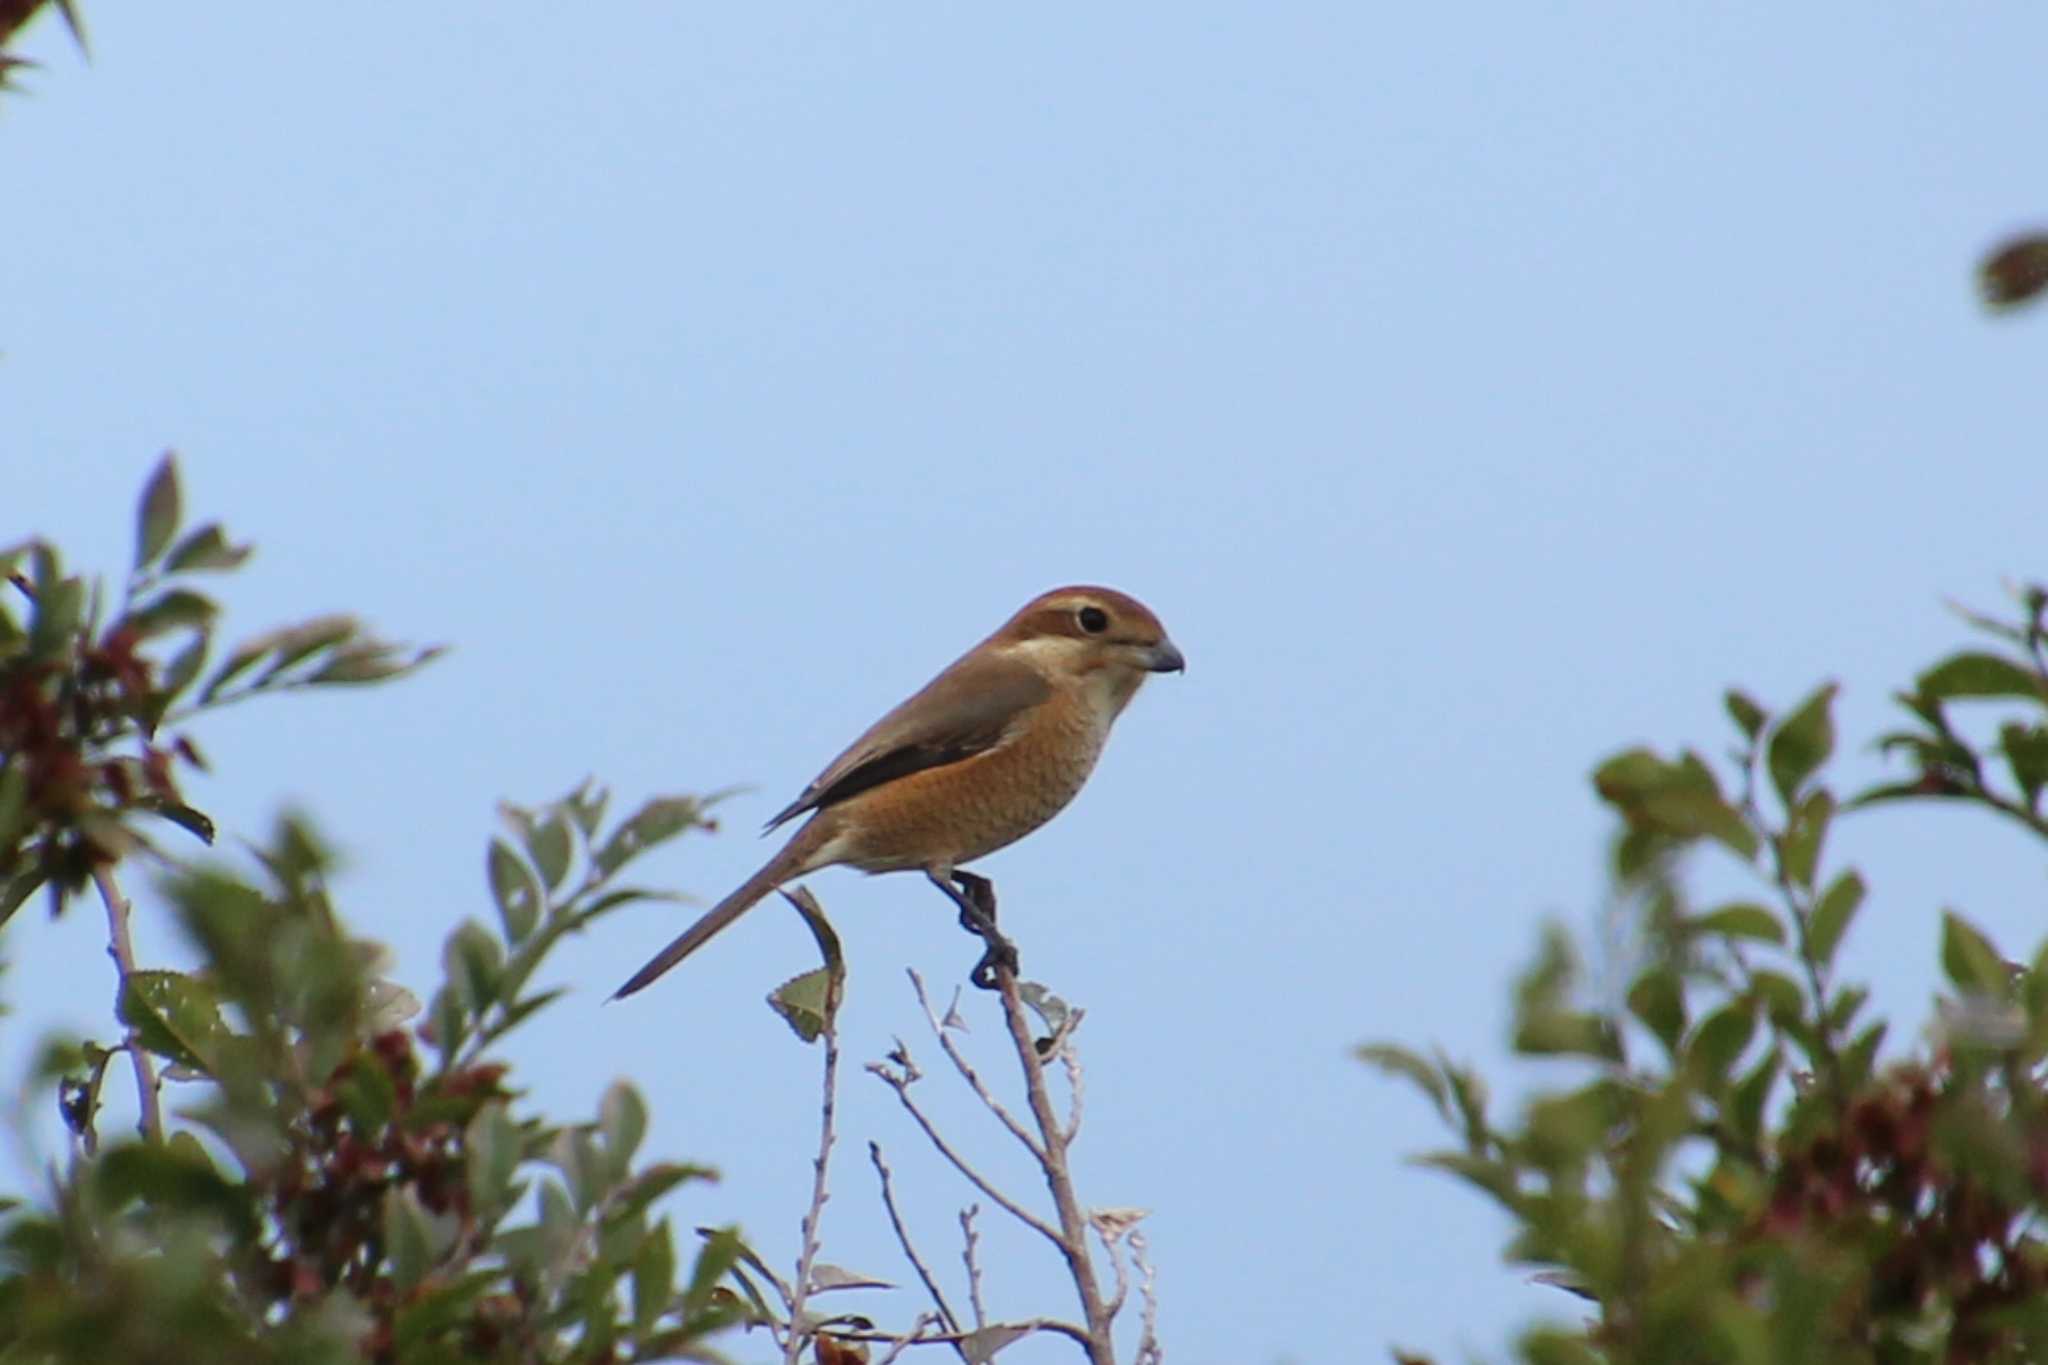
176, 1016
1484, 1173
205, 548
1747, 1104
171, 1178
1748, 716
1799, 848
1974, 674
1719, 1042
2026, 753
408, 1238
656, 822
550, 848
493, 1149
1783, 998
640, 1191
1838, 905
156, 518
1970, 960
1399, 1061
654, 1276
720, 1251
514, 889
622, 1118
1801, 743
805, 1003
174, 609
60, 605
1741, 919
178, 675
471, 961
1658, 999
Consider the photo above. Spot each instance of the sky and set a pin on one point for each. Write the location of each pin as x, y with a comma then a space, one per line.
1472, 391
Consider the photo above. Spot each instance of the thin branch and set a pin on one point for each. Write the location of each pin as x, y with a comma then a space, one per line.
1149, 1350
798, 1333
122, 949
946, 1315
945, 1149
914, 1337
1059, 1180
956, 1339
969, 1241
971, 1076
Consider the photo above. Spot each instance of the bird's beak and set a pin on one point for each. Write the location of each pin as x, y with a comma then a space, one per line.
1164, 658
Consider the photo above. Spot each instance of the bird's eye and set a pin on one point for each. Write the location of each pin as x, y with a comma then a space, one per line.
1094, 620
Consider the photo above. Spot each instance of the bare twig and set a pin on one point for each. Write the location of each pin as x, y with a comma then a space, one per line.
1073, 1235
914, 1337
122, 949
970, 1075
901, 1085
829, 1035
969, 1241
946, 1315
957, 1339
1149, 1350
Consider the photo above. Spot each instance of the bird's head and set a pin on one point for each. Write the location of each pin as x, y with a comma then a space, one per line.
1095, 636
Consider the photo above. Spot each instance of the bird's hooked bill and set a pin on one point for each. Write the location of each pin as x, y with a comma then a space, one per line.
1164, 658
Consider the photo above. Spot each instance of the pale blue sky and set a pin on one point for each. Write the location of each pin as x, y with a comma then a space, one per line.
1472, 390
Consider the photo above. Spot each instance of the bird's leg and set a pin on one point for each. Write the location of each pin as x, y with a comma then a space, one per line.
976, 897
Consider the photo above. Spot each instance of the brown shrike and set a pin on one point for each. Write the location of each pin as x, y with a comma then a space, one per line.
987, 752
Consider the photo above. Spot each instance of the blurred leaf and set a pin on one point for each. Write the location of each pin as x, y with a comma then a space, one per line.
656, 822
1483, 1173
1975, 674
513, 888
720, 1250
493, 1149
156, 518
1799, 848
59, 608
1741, 919
193, 822
171, 1178
471, 961
205, 548
1399, 1061
174, 609
654, 1276
1969, 959
1838, 905
288, 645
649, 1184
1682, 799
622, 1118
1802, 742
1658, 999
586, 807
1720, 1040
2026, 752
369, 661
550, 847
408, 1238
2014, 273
1748, 1102
177, 1016
1748, 716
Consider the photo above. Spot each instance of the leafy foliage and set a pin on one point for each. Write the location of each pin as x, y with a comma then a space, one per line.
1738, 1175
88, 762
334, 1193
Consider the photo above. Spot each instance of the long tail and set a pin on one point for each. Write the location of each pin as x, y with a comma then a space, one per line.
793, 861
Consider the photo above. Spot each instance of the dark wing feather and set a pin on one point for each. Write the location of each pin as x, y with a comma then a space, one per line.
966, 710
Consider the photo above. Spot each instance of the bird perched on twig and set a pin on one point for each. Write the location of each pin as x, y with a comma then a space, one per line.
987, 752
